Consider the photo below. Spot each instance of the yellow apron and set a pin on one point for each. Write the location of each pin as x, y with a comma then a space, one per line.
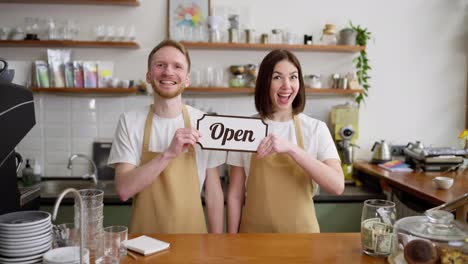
279, 195
171, 203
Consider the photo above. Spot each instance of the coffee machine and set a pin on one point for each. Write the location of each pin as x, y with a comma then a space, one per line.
16, 120
345, 130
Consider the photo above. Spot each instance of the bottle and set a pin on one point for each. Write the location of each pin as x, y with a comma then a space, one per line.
37, 173
328, 37
28, 174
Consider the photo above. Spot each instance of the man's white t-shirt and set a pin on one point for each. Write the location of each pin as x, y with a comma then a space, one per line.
317, 140
128, 139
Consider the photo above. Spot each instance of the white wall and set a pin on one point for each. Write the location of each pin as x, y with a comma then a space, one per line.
419, 59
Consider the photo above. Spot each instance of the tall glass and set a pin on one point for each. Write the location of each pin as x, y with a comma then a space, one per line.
378, 217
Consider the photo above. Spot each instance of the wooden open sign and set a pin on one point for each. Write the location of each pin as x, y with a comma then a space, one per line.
239, 133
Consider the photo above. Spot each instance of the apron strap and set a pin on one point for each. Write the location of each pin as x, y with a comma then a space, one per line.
300, 143
297, 126
186, 117
148, 125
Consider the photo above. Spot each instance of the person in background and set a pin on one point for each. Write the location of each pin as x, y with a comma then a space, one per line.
277, 182
157, 160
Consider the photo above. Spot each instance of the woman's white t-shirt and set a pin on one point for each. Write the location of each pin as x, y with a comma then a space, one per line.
317, 140
128, 139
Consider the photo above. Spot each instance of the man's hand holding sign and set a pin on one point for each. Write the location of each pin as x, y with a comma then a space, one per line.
231, 132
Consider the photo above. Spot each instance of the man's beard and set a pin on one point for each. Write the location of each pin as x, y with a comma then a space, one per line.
167, 94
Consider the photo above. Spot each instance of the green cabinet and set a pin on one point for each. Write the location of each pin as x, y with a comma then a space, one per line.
113, 214
339, 217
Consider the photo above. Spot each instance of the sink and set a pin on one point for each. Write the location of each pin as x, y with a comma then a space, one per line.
52, 188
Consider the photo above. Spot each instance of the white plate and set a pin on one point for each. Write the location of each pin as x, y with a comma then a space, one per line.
32, 235
22, 259
23, 239
24, 229
28, 244
24, 218
65, 255
25, 252
32, 261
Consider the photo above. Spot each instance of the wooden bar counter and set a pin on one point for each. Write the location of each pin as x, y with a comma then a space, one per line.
419, 183
259, 248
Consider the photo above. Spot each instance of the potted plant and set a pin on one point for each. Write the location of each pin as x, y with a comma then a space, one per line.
362, 62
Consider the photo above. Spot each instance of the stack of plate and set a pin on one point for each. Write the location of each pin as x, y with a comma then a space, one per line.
65, 255
24, 237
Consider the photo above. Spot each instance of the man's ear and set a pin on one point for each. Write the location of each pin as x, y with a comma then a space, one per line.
187, 80
148, 77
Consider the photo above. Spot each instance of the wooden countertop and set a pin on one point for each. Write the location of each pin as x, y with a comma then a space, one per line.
419, 183
259, 248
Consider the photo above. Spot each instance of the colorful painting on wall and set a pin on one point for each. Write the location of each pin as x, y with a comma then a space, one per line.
186, 15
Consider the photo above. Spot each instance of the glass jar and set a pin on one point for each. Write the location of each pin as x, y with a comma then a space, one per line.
433, 238
237, 81
378, 217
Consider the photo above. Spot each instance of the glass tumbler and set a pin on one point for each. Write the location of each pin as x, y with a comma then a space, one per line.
378, 217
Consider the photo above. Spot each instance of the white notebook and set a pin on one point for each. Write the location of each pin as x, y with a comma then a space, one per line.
146, 245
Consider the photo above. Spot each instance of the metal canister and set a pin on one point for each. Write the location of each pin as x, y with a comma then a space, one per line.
250, 36
264, 39
233, 35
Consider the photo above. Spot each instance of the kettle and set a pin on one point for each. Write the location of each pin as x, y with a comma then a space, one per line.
381, 152
6, 75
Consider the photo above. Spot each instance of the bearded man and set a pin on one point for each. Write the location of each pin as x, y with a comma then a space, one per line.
157, 161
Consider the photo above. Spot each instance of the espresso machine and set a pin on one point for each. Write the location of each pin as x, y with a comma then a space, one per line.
345, 130
16, 120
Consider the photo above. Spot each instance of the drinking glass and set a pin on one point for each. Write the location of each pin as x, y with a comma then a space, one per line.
378, 217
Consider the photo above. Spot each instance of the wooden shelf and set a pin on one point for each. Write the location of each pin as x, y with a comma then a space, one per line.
68, 43
245, 90
76, 2
245, 46
86, 90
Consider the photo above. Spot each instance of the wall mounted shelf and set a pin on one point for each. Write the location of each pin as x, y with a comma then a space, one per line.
86, 90
68, 43
245, 90
245, 46
76, 2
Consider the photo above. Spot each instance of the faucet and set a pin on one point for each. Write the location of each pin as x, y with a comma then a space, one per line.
80, 205
93, 175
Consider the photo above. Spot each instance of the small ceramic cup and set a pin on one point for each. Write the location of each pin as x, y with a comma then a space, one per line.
443, 182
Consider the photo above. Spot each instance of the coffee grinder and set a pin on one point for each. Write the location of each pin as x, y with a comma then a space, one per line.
345, 130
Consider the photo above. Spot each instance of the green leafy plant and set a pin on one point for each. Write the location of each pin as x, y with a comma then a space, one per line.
362, 62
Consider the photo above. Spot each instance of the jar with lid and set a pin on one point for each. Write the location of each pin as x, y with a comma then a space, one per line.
329, 37
433, 238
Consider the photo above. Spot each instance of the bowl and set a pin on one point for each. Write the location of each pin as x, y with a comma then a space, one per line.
443, 182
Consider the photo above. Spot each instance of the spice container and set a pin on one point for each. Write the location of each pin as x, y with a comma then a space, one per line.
433, 238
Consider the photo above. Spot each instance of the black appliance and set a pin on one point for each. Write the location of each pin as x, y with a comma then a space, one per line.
101, 152
16, 120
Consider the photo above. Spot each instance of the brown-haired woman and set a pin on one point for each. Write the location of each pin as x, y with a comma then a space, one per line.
297, 154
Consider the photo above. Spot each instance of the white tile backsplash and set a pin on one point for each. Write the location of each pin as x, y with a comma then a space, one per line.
57, 116
83, 117
31, 143
57, 157
57, 130
107, 131
82, 145
57, 144
84, 104
84, 130
55, 102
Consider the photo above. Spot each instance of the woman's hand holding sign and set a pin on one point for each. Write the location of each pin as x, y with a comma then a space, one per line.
273, 144
183, 138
